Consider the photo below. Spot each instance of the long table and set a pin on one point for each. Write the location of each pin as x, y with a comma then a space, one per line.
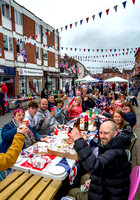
68, 165
23, 185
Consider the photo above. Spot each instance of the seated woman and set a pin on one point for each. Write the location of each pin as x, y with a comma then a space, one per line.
59, 111
112, 108
129, 113
10, 129
75, 109
122, 125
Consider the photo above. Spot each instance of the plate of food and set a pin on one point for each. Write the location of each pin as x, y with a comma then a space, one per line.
56, 170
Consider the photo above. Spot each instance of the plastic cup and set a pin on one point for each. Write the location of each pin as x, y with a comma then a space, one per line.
52, 108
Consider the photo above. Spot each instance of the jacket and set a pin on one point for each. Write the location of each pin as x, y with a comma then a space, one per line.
109, 171
134, 90
9, 158
8, 132
47, 127
131, 118
59, 115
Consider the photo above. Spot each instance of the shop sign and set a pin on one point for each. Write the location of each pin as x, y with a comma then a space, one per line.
30, 72
7, 70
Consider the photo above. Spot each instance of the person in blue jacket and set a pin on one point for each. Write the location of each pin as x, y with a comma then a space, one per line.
10, 129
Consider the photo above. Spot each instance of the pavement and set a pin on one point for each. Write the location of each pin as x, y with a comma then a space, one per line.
136, 150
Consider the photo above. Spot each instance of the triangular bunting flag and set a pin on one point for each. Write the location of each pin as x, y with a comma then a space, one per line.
70, 25
107, 11
115, 7
75, 49
81, 21
76, 24
61, 29
100, 14
133, 1
87, 19
93, 17
66, 27
124, 4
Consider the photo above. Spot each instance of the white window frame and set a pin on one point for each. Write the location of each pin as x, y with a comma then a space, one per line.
8, 48
6, 10
38, 53
45, 54
56, 41
37, 29
18, 17
20, 44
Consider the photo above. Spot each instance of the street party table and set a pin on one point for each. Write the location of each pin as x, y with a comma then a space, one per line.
52, 169
56, 166
19, 101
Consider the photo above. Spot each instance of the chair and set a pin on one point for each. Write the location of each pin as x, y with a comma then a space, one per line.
134, 182
133, 141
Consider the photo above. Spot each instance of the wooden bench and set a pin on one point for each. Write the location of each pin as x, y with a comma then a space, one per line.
22, 185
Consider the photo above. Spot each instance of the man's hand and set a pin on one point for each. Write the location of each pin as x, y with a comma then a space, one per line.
24, 130
64, 97
52, 113
87, 183
85, 98
44, 139
64, 108
75, 134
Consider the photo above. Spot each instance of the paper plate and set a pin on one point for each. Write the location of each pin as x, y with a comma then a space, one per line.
56, 170
19, 159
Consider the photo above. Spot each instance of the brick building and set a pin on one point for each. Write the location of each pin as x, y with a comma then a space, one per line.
20, 28
136, 68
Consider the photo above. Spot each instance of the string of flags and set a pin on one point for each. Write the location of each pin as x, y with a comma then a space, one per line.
93, 16
99, 50
46, 33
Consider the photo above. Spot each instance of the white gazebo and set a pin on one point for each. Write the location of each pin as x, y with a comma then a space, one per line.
116, 79
89, 79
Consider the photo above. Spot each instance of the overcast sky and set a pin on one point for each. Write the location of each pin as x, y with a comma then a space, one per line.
117, 30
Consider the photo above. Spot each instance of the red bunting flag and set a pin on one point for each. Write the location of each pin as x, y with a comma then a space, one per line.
107, 11
46, 33
36, 36
133, 1
84, 49
57, 30
71, 49
87, 19
70, 25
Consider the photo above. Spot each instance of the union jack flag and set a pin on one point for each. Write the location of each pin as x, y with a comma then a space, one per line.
73, 68
72, 98
23, 53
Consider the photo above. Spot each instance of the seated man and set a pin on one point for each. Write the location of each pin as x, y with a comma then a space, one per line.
109, 169
2, 102
30, 113
45, 119
51, 102
90, 103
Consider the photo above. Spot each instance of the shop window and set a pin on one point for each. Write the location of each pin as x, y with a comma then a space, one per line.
44, 31
6, 11
19, 45
18, 17
22, 85
8, 43
45, 54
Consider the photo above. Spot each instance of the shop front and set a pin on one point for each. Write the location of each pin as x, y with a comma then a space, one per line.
51, 80
30, 81
7, 75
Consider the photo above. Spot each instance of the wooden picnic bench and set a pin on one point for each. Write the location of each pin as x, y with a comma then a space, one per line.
22, 185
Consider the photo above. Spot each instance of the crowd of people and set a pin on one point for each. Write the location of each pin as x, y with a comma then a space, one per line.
107, 164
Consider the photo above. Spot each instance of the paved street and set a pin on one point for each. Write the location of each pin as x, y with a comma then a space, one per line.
136, 149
